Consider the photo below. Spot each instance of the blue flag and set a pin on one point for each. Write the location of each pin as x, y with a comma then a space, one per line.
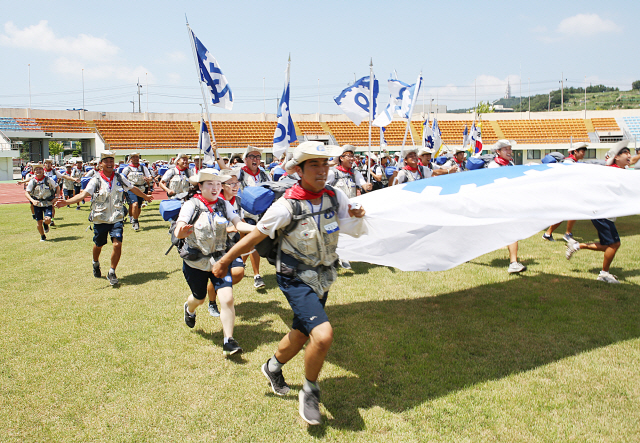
211, 74
285, 133
204, 144
354, 100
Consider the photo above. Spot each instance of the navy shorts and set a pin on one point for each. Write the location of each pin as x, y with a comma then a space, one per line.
77, 189
68, 193
607, 231
101, 230
134, 198
237, 263
308, 309
197, 280
42, 212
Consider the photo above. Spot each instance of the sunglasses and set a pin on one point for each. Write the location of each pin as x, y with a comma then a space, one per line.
254, 157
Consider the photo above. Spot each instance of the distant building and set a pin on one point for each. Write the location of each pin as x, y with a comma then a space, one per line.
507, 93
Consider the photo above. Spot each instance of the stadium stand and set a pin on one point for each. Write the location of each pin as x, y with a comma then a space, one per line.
28, 124
633, 123
9, 124
453, 130
605, 124
240, 134
63, 125
545, 131
311, 128
127, 134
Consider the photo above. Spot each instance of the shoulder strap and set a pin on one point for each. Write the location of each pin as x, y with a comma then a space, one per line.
222, 207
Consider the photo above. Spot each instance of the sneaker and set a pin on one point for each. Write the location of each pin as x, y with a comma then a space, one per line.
52, 223
231, 347
144, 205
345, 264
258, 282
189, 319
567, 237
516, 267
111, 276
213, 310
77, 208
96, 270
33, 216
136, 226
548, 237
46, 227
43, 238
310, 406
572, 247
606, 277
276, 379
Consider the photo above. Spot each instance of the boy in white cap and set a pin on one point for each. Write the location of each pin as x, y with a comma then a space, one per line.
69, 182
304, 276
618, 157
41, 192
504, 157
252, 175
576, 153
140, 177
203, 224
107, 190
345, 176
176, 180
457, 161
412, 169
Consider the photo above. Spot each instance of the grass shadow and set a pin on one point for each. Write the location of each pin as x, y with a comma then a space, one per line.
68, 238
364, 268
406, 352
141, 278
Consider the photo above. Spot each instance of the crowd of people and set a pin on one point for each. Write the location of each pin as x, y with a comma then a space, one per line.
215, 235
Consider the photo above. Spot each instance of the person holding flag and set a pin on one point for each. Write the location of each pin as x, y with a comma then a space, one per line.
304, 275
504, 157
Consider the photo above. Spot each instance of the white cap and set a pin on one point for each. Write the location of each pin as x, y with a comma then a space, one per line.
134, 153
252, 149
409, 151
374, 157
615, 150
501, 144
577, 146
425, 151
182, 155
107, 154
208, 174
235, 172
308, 150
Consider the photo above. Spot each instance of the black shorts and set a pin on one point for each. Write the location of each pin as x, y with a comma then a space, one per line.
607, 231
42, 212
197, 280
308, 308
102, 230
68, 193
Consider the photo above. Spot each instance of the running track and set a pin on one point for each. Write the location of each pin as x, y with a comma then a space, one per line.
13, 193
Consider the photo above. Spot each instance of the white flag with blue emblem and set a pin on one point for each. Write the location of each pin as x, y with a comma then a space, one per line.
438, 223
396, 93
354, 100
204, 144
427, 135
212, 76
409, 98
285, 133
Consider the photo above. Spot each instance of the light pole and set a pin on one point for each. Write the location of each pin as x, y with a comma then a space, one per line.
83, 93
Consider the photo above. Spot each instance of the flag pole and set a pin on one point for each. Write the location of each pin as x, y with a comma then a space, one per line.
212, 137
370, 118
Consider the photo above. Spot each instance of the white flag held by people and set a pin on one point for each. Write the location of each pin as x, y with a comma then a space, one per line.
409, 98
396, 92
212, 76
354, 100
285, 133
427, 135
437, 137
204, 144
438, 223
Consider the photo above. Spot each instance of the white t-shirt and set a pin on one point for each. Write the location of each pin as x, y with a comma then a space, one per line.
278, 216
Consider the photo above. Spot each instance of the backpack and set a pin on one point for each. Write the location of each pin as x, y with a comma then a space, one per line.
257, 199
47, 184
271, 248
486, 158
184, 251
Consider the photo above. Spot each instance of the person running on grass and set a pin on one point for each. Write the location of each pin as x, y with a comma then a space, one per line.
203, 223
618, 157
411, 170
576, 153
304, 275
107, 190
229, 193
77, 173
68, 183
57, 177
504, 157
41, 193
176, 180
140, 177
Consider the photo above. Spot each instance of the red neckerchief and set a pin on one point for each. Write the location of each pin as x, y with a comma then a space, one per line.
131, 165
458, 162
232, 201
410, 168
38, 181
209, 204
297, 192
346, 171
246, 169
613, 165
573, 158
108, 179
47, 170
501, 161
180, 169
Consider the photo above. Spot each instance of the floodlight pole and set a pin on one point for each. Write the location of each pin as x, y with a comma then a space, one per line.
83, 93
370, 117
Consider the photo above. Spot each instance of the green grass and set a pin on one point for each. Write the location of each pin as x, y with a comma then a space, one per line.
471, 354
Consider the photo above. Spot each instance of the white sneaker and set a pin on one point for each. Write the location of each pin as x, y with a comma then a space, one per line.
516, 267
572, 247
606, 277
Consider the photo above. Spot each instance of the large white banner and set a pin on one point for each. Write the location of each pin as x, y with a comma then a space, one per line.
440, 222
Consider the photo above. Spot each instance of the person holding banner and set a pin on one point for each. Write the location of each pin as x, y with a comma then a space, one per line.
457, 161
504, 157
618, 157
305, 274
411, 170
345, 176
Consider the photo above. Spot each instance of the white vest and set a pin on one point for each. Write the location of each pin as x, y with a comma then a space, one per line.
209, 236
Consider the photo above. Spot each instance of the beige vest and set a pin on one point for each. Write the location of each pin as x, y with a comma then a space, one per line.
42, 191
314, 245
209, 236
345, 182
179, 183
108, 204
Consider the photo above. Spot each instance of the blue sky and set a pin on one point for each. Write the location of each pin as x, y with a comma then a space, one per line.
456, 45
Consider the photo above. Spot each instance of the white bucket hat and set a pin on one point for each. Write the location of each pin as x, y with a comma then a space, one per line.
501, 144
577, 146
252, 149
308, 150
208, 174
615, 150
107, 154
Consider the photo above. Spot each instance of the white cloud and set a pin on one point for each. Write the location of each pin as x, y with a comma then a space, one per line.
175, 57
41, 37
63, 65
586, 24
174, 78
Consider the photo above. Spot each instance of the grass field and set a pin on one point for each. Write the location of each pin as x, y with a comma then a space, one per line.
471, 354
